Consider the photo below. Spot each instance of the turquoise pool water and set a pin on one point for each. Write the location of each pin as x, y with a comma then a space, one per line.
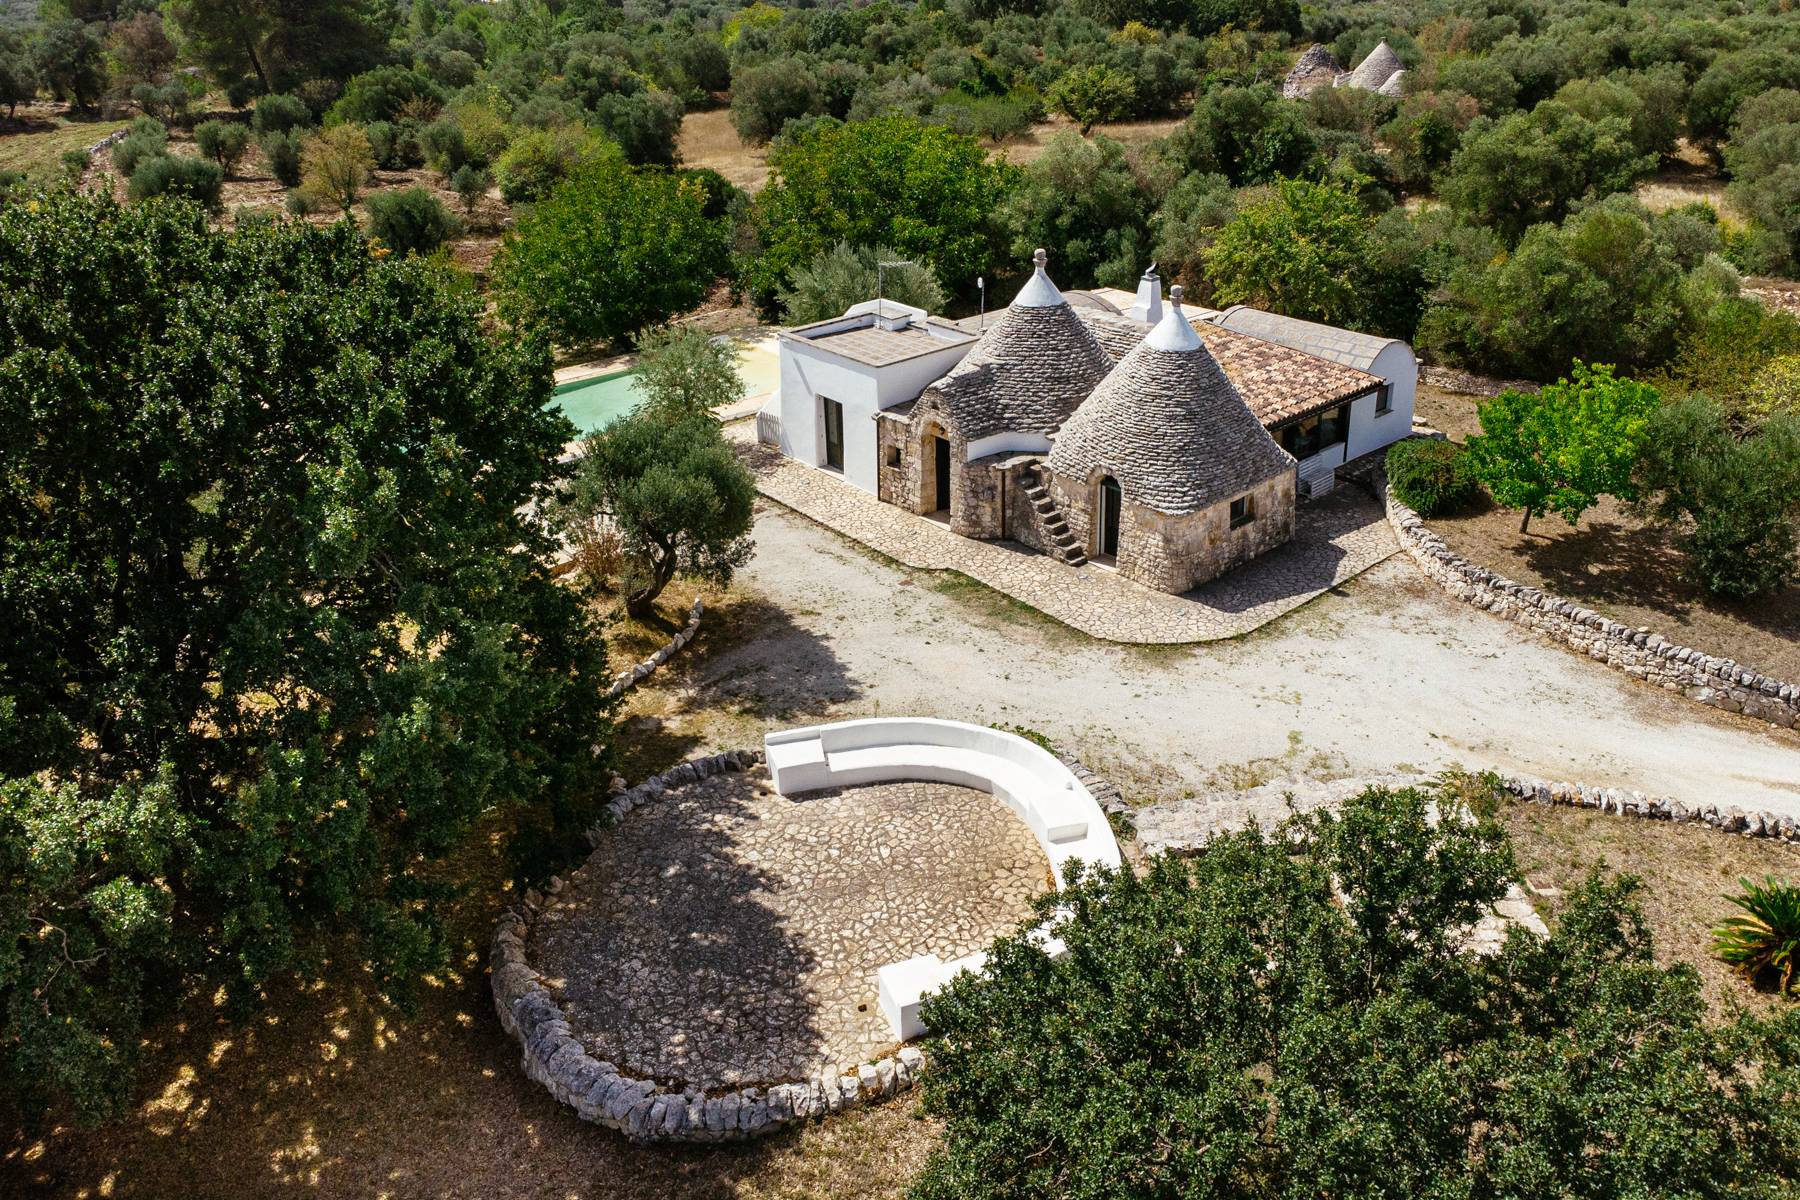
596, 403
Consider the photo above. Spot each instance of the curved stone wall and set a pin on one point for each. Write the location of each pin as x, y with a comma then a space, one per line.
1718, 682
630, 679
647, 1110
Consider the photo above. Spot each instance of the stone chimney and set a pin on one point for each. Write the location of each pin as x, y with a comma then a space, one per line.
1148, 306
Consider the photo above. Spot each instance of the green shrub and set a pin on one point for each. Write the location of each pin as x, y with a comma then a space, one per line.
385, 94
1430, 476
470, 183
281, 150
444, 146
166, 102
225, 142
280, 114
146, 138
178, 175
11, 183
75, 163
1765, 938
395, 145
1298, 1013
410, 221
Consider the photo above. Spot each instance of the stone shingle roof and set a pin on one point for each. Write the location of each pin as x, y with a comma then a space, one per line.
1376, 69
1277, 382
1315, 69
1168, 425
1033, 365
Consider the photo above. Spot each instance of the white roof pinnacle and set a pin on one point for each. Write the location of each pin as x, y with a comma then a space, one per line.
1038, 291
1174, 332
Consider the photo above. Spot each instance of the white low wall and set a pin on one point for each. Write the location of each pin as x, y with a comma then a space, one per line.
1060, 812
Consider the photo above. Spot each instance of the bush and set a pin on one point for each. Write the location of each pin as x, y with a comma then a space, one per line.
766, 97
385, 94
443, 146
335, 164
1733, 501
1765, 939
225, 142
75, 163
536, 161
412, 221
165, 102
1430, 476
282, 152
280, 113
395, 147
470, 183
846, 275
179, 175
1297, 1013
145, 139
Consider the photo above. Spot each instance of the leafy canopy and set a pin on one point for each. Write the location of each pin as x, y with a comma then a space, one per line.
927, 192
683, 373
1225, 1027
1303, 251
614, 250
845, 275
274, 625
1559, 450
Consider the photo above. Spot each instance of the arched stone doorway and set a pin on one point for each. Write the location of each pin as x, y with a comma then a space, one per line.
1108, 504
936, 471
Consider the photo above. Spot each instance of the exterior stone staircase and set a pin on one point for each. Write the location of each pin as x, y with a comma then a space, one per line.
1056, 528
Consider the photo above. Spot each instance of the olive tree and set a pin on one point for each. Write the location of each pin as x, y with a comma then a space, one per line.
675, 494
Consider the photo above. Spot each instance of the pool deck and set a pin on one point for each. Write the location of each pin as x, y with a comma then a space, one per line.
765, 341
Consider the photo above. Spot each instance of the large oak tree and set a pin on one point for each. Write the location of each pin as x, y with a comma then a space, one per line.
275, 626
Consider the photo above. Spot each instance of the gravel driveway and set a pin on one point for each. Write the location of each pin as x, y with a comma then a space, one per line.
1384, 673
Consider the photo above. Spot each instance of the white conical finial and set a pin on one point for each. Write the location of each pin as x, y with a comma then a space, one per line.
1174, 332
1038, 291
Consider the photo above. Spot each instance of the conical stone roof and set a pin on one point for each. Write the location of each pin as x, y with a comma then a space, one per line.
1395, 86
1169, 427
1376, 69
1031, 369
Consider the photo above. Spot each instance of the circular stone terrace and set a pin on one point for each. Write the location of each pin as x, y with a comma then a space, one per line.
728, 935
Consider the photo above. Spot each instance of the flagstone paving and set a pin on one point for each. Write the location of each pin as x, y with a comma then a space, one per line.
1335, 539
727, 935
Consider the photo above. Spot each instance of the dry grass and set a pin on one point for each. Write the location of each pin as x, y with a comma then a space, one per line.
42, 133
1616, 564
708, 140
1686, 871
1135, 134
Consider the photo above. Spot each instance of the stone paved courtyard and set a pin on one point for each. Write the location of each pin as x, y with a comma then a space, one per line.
727, 935
1335, 539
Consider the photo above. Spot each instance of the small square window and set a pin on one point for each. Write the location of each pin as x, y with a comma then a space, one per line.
893, 457
1243, 511
1384, 400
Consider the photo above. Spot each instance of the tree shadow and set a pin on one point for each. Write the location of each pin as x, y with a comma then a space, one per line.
758, 662
329, 1090
1608, 560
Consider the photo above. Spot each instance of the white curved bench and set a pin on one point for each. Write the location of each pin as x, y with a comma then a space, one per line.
1041, 791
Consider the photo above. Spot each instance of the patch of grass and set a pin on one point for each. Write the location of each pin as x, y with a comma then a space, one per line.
998, 605
1689, 874
1031, 735
38, 151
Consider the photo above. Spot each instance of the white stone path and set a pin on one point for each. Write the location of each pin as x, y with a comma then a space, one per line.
1335, 540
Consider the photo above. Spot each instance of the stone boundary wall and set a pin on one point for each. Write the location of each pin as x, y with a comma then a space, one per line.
630, 679
117, 135
1725, 818
1718, 682
647, 1110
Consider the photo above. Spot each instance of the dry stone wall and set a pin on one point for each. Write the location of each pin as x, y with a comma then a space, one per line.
1727, 818
630, 679
1708, 679
650, 1110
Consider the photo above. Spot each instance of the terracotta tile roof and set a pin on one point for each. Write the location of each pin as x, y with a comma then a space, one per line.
1277, 383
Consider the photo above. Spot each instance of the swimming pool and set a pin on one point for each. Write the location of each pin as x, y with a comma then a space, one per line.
598, 401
